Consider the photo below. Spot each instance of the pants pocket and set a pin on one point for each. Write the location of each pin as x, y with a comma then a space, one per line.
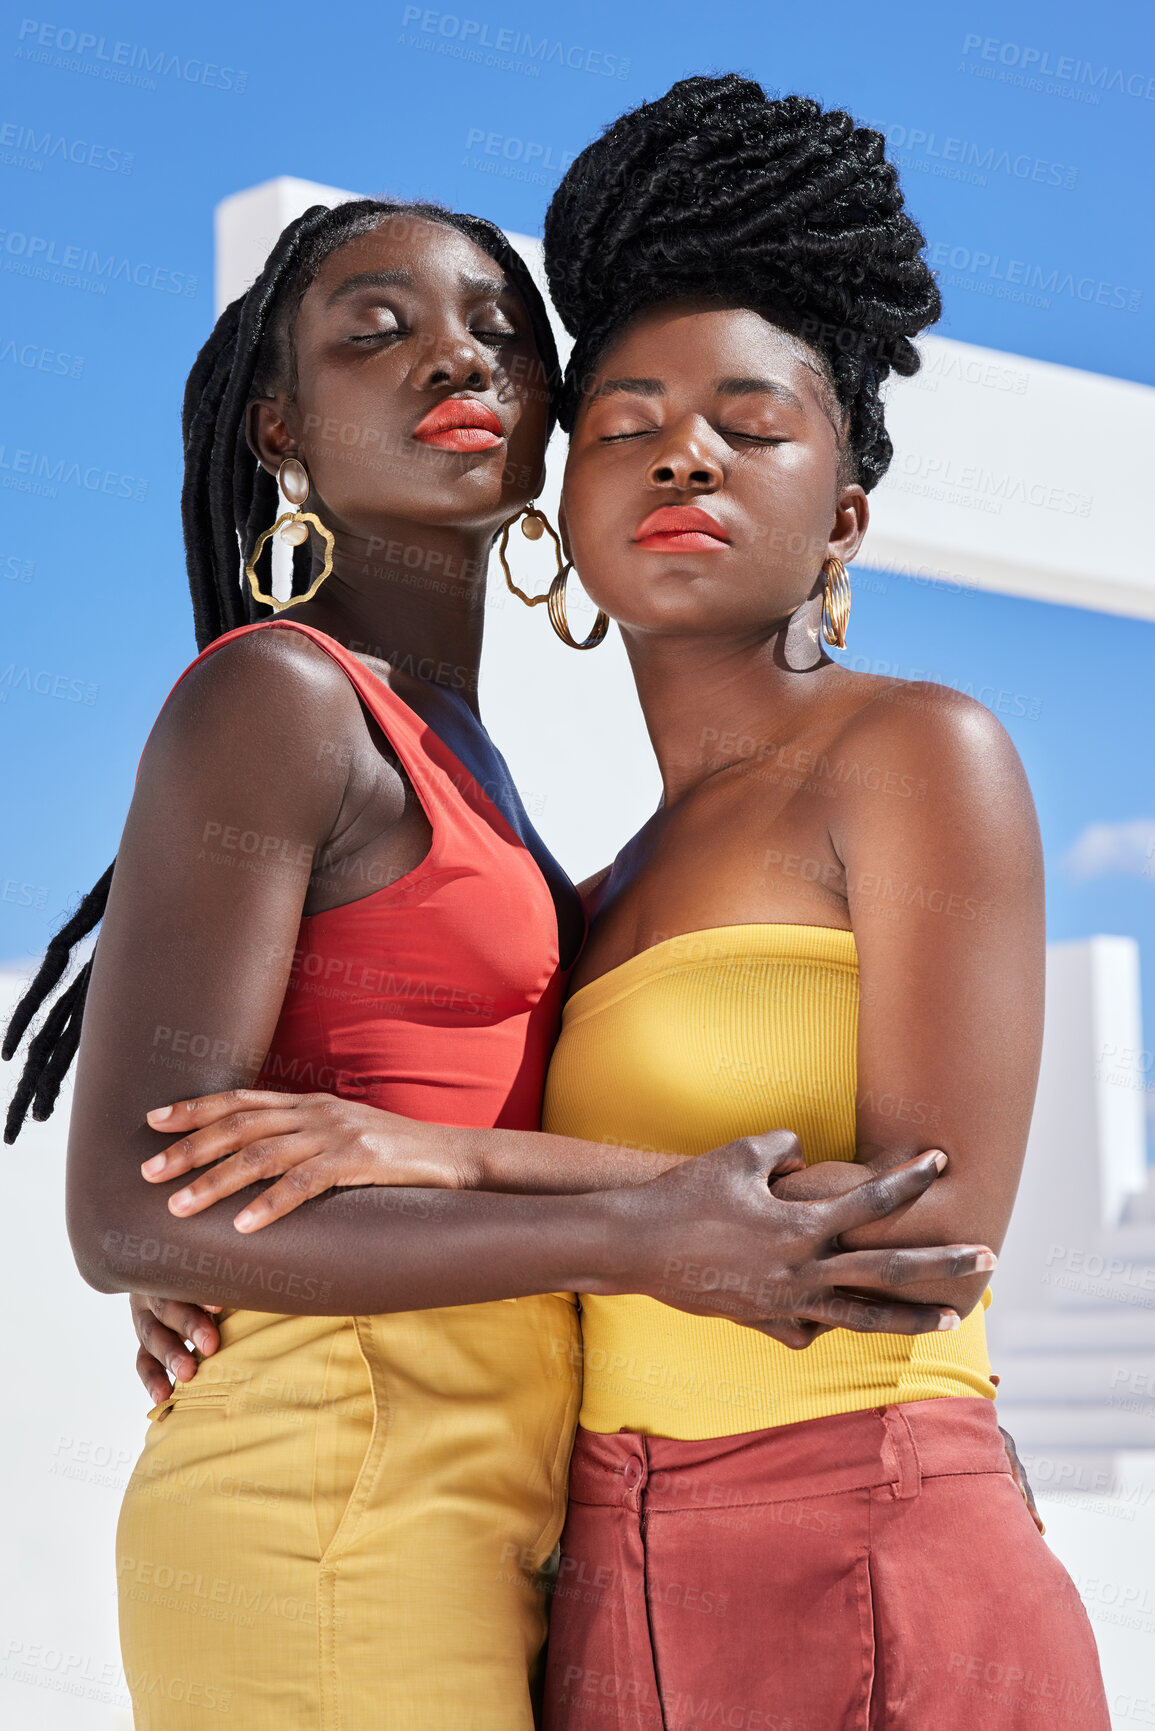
342, 1437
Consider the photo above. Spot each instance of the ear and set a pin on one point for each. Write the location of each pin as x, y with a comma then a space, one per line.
851, 516
563, 531
268, 434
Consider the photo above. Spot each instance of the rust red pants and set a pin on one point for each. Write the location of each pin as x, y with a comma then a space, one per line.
875, 1571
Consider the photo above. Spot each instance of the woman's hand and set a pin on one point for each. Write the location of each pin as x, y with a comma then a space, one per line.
715, 1236
163, 1325
311, 1142
776, 1264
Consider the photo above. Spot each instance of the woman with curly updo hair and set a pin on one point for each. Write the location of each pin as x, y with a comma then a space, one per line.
834, 922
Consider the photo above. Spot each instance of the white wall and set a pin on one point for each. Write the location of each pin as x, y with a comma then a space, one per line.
1072, 1325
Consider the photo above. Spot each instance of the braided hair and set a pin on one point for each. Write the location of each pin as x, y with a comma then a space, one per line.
717, 191
227, 499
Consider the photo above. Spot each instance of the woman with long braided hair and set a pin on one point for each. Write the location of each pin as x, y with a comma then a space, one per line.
227, 496
326, 882
834, 922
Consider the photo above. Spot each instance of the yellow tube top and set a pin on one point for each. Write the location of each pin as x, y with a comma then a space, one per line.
700, 1039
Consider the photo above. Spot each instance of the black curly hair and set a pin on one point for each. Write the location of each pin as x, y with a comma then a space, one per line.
719, 191
228, 498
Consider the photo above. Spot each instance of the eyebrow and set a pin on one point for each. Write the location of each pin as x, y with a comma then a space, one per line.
631, 388
371, 279
760, 387
744, 387
490, 286
483, 285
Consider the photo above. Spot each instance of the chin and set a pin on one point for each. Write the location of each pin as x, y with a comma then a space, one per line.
675, 600
685, 619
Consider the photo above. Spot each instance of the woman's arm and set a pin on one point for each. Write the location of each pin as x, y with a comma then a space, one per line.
239, 790
349, 1143
944, 877
187, 986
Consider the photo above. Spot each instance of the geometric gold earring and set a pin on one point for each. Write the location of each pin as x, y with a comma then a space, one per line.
293, 528
534, 524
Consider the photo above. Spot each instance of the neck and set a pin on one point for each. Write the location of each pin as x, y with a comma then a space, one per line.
411, 595
710, 703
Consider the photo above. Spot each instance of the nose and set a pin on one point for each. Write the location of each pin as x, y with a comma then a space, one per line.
456, 359
686, 459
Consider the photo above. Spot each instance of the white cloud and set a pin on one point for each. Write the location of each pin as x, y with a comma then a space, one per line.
1112, 850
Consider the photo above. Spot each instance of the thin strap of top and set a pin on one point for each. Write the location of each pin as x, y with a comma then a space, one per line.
440, 780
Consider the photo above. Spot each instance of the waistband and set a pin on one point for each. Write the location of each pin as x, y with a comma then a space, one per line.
892, 1445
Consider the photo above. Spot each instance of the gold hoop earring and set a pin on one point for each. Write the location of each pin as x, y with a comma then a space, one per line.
557, 616
293, 527
534, 524
835, 603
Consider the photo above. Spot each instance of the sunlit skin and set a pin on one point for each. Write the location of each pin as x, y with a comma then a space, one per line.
718, 412
701, 499
397, 325
268, 735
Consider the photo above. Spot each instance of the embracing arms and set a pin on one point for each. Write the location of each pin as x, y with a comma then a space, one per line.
187, 986
937, 851
240, 791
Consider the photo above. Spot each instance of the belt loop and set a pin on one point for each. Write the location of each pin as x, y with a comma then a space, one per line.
908, 1471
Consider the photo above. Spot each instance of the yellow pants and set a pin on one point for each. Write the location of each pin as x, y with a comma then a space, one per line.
341, 1523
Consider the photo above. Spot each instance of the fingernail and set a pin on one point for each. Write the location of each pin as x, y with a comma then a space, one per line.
159, 1114
948, 1320
940, 1160
180, 1201
985, 1261
174, 1368
244, 1220
204, 1339
154, 1166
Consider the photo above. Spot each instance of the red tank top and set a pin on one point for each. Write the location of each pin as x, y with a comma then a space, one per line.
438, 995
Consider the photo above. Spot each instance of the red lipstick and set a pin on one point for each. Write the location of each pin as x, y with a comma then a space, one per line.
681, 529
460, 424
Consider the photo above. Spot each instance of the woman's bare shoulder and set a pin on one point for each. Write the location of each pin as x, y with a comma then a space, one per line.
917, 722
265, 671
263, 712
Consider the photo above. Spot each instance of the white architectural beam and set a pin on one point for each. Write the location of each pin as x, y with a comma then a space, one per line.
1017, 475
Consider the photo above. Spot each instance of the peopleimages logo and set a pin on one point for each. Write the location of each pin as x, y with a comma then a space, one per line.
954, 157
24, 147
1037, 63
37, 255
38, 359
37, 472
1020, 280
120, 62
472, 36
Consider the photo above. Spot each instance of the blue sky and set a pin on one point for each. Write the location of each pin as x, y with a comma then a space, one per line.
124, 151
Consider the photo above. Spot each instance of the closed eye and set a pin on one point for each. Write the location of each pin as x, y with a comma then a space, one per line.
377, 336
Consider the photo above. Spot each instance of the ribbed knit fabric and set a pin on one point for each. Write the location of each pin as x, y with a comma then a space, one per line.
705, 1037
